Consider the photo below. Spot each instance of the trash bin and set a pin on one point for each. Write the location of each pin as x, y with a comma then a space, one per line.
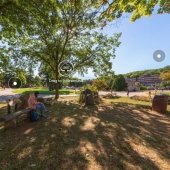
160, 103
88, 96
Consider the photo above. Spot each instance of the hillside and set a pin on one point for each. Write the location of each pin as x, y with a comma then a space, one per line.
148, 72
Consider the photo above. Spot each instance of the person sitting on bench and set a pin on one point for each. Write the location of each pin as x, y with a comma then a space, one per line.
35, 105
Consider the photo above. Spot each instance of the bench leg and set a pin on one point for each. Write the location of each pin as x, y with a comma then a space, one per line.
10, 124
9, 109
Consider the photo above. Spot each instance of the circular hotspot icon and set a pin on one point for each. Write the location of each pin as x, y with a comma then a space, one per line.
159, 56
14, 83
65, 68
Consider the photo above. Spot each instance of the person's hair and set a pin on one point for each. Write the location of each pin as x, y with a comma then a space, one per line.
36, 93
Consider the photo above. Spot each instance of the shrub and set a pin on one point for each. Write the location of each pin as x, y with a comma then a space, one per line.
143, 88
119, 83
90, 87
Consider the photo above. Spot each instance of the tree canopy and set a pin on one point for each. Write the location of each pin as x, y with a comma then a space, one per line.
52, 31
136, 74
109, 9
113, 9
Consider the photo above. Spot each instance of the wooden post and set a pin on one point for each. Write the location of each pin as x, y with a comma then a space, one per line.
9, 109
10, 103
16, 107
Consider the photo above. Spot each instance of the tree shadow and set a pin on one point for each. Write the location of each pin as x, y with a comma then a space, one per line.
96, 137
155, 127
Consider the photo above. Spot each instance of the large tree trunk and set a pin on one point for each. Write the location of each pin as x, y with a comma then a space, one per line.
57, 86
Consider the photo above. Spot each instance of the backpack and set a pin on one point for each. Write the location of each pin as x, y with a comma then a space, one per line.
34, 116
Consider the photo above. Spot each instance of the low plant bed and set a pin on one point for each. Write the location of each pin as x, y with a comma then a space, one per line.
111, 96
141, 98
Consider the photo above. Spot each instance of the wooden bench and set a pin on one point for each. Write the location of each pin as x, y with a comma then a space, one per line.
10, 120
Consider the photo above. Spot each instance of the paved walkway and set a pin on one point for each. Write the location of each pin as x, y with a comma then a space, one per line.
124, 94
7, 91
7, 94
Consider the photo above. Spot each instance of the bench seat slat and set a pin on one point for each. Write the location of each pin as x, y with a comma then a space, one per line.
14, 115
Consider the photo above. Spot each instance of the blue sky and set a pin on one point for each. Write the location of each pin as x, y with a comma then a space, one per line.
140, 40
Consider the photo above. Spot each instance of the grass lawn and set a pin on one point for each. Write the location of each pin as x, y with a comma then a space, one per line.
43, 91
168, 93
127, 101
117, 134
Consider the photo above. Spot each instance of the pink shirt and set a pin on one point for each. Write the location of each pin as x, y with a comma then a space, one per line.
32, 101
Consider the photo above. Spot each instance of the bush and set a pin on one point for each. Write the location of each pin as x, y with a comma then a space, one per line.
119, 83
90, 87
100, 84
94, 92
110, 96
143, 88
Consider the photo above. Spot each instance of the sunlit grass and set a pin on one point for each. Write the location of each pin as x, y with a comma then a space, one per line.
127, 100
43, 91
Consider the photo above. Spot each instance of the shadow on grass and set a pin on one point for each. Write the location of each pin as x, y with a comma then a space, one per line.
77, 137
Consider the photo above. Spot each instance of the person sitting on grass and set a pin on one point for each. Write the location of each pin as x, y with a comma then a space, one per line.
38, 107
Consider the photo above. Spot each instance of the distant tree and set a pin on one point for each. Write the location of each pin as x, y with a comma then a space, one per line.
165, 76
165, 84
8, 70
136, 74
100, 84
22, 75
138, 84
119, 83
37, 81
74, 81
